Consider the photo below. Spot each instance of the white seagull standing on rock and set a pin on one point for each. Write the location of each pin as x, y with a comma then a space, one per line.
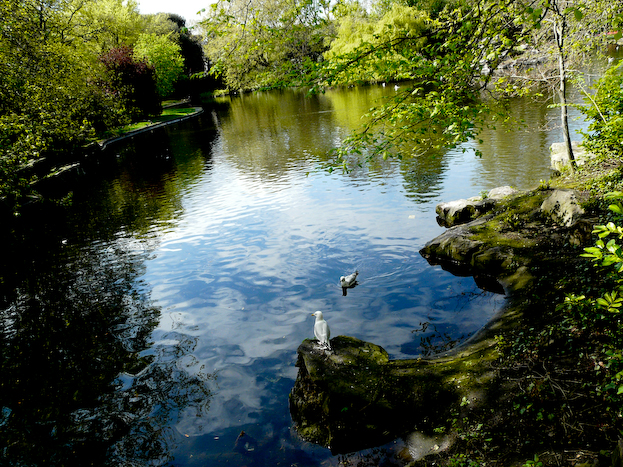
348, 282
321, 330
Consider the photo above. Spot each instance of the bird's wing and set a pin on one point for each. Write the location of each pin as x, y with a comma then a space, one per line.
321, 330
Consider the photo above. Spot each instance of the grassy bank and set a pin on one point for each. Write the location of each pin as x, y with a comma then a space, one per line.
167, 115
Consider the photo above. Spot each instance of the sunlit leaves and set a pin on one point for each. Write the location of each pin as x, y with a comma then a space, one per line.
49, 102
164, 55
603, 108
444, 58
611, 302
254, 45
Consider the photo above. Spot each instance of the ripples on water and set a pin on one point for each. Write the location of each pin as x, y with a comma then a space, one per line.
236, 237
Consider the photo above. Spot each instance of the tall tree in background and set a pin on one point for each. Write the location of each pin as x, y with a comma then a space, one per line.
445, 56
562, 34
191, 48
254, 45
164, 55
106, 24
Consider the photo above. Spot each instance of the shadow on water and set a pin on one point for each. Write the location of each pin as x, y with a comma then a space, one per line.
82, 382
197, 251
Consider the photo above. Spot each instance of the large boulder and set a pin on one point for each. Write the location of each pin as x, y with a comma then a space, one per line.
562, 207
462, 210
354, 397
504, 244
465, 210
502, 192
559, 156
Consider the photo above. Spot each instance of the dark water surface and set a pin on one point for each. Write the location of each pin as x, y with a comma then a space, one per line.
157, 317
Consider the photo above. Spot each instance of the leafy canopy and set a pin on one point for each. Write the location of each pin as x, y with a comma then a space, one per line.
164, 55
265, 44
55, 92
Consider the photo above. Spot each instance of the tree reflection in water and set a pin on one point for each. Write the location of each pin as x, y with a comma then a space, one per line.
80, 385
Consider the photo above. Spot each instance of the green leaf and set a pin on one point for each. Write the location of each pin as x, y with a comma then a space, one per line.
616, 208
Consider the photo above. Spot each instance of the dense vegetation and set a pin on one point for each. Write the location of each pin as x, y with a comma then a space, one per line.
72, 69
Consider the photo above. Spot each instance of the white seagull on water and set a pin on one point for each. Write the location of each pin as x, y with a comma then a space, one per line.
321, 330
348, 282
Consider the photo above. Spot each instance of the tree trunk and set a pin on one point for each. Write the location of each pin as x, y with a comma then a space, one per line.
559, 31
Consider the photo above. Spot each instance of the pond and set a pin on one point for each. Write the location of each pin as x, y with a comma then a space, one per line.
155, 316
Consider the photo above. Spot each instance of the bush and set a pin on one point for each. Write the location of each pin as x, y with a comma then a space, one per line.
132, 82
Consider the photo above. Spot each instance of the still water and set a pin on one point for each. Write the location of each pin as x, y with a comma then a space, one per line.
155, 317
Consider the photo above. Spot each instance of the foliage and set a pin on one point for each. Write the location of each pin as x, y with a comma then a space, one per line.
253, 45
447, 60
164, 56
450, 53
174, 26
605, 133
132, 82
51, 98
47, 103
601, 314
106, 24
398, 23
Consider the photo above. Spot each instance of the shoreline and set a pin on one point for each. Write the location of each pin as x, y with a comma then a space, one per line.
484, 405
150, 127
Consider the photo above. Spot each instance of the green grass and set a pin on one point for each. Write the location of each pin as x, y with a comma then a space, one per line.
165, 116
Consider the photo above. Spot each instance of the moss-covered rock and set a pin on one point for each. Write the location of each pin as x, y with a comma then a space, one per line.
354, 397
466, 210
535, 226
462, 210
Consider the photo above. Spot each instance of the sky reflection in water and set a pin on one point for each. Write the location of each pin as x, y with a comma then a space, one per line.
223, 235
260, 245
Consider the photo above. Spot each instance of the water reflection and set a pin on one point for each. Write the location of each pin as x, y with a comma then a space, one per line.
278, 132
163, 308
82, 381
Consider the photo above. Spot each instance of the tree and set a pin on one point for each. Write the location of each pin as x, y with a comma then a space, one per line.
164, 55
106, 24
604, 109
191, 48
447, 60
254, 45
450, 58
132, 82
564, 29
47, 98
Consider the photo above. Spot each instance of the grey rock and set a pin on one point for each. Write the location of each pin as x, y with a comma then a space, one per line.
562, 207
463, 210
502, 192
559, 157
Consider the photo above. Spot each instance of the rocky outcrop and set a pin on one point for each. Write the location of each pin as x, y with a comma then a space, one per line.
462, 210
354, 397
562, 207
465, 210
531, 226
559, 156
